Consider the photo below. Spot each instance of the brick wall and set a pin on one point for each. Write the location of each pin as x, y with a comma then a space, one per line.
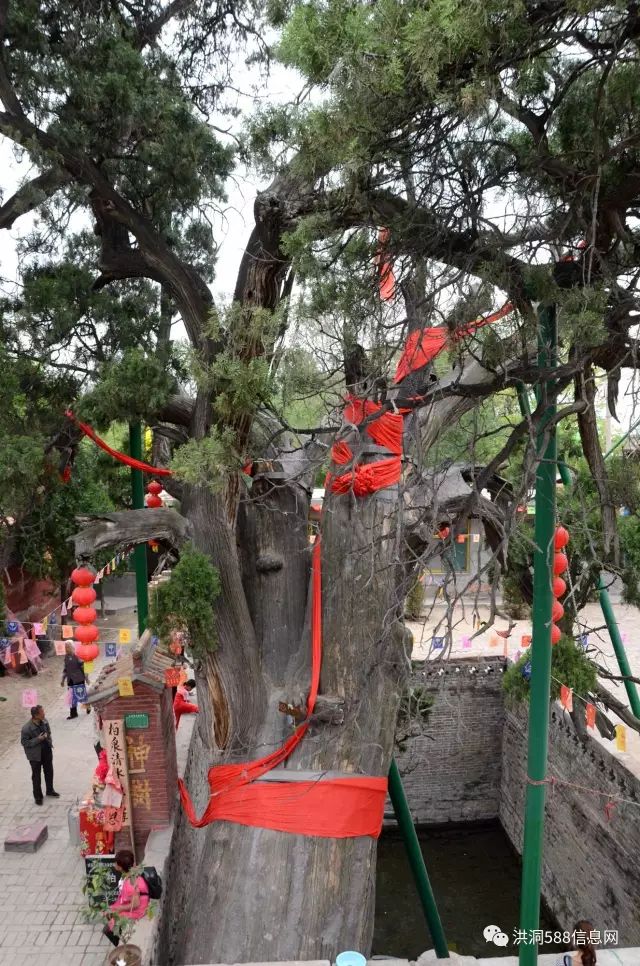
451, 772
590, 865
154, 786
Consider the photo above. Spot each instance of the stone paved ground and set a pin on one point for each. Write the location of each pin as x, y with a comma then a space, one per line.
41, 894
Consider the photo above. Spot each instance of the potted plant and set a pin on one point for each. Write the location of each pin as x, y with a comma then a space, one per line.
99, 892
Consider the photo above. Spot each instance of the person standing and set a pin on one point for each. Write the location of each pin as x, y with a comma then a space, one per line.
72, 675
35, 738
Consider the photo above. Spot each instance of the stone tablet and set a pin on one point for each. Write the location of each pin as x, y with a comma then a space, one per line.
26, 838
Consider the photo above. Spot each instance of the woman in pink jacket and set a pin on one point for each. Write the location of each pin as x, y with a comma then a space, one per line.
133, 896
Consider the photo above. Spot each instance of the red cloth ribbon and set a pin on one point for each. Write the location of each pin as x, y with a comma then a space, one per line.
423, 345
343, 807
387, 279
121, 457
385, 430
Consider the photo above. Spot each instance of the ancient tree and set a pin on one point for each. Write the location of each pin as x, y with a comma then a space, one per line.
498, 144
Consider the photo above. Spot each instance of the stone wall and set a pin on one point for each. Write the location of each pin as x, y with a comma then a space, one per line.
590, 866
451, 763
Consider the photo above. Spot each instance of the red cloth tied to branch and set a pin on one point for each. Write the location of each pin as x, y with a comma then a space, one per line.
386, 277
343, 807
385, 430
423, 345
121, 457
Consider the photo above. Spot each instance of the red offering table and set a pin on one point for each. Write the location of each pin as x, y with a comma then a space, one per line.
96, 840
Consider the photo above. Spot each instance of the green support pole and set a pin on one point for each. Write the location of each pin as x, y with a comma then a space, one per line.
140, 552
618, 646
545, 523
605, 600
416, 861
622, 439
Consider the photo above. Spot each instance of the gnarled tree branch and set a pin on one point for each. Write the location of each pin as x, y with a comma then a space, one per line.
129, 526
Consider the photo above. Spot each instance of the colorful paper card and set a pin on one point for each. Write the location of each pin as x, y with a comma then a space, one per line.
63, 609
125, 687
32, 649
475, 538
38, 628
437, 643
60, 648
591, 715
110, 649
88, 667
566, 697
67, 632
621, 738
466, 643
29, 698
124, 635
525, 641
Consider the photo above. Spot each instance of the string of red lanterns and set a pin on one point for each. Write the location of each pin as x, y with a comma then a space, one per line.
559, 586
152, 499
83, 596
153, 502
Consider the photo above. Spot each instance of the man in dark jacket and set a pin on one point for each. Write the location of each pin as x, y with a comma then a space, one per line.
73, 676
38, 747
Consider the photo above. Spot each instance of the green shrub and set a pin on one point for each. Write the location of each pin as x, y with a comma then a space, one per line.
186, 602
569, 665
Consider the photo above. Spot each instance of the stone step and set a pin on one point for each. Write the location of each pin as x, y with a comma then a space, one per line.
26, 838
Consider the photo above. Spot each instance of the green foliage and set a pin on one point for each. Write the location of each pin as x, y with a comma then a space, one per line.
569, 666
132, 387
300, 389
186, 602
207, 462
43, 542
581, 316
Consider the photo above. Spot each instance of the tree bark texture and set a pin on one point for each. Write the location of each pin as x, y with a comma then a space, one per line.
270, 895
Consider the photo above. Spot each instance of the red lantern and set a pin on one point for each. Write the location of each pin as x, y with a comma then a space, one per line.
87, 652
560, 563
84, 615
82, 576
83, 596
557, 611
556, 633
154, 487
559, 586
561, 538
86, 633
152, 501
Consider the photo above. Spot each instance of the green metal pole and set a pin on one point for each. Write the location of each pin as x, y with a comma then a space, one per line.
140, 552
540, 649
416, 861
605, 600
620, 441
618, 646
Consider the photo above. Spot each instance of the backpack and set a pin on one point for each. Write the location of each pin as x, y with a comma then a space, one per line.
153, 880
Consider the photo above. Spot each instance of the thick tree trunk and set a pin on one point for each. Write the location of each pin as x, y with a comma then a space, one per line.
256, 894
